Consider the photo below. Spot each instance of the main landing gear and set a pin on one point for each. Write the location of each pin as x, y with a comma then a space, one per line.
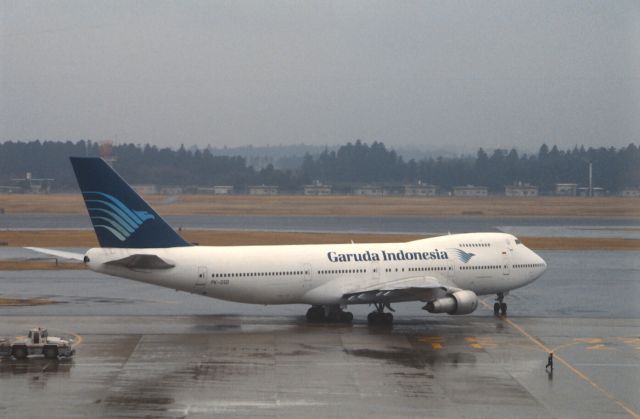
333, 314
500, 307
379, 316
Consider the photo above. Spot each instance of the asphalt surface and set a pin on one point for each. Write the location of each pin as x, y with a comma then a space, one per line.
239, 366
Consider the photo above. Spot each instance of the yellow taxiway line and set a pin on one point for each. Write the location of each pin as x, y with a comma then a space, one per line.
566, 363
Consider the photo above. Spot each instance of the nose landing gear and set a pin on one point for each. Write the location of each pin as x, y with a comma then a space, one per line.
500, 307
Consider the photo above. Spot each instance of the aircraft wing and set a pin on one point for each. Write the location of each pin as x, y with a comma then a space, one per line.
58, 253
423, 288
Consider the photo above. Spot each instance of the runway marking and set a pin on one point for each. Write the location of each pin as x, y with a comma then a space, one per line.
566, 363
435, 341
564, 345
632, 341
480, 342
610, 365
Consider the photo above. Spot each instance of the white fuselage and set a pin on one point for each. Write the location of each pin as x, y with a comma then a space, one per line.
323, 274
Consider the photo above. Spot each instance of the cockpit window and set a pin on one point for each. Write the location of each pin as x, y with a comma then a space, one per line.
518, 241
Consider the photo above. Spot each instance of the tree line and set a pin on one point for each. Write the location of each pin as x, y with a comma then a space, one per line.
349, 165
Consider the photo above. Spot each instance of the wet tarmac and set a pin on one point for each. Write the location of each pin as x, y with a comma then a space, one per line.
144, 351
279, 366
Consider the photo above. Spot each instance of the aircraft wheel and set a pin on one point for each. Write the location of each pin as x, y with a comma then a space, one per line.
315, 314
346, 317
20, 352
376, 317
50, 352
503, 309
496, 309
334, 316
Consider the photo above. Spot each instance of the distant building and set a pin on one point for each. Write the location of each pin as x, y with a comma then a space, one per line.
470, 190
263, 190
317, 188
30, 184
149, 189
215, 190
521, 190
630, 192
171, 190
566, 189
222, 190
11, 189
595, 191
420, 190
369, 190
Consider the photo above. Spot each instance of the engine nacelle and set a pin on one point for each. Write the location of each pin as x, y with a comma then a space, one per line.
460, 302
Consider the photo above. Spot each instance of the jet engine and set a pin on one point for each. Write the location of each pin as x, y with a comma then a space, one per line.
460, 302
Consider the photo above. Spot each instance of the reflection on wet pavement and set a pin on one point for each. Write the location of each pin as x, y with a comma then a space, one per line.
198, 366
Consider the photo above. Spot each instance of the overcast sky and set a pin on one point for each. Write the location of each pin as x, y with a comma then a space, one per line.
432, 73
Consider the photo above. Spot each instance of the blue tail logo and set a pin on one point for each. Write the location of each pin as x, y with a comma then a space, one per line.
462, 255
108, 212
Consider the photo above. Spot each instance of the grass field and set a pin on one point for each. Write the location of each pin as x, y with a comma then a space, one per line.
315, 206
24, 301
292, 205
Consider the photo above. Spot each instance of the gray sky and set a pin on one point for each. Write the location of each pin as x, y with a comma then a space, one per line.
461, 73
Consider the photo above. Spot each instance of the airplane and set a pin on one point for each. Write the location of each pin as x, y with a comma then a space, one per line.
447, 273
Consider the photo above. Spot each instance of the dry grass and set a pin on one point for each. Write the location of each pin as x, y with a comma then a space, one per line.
37, 265
580, 243
49, 238
24, 302
289, 205
86, 238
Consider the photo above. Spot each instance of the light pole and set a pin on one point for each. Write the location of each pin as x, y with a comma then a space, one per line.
590, 179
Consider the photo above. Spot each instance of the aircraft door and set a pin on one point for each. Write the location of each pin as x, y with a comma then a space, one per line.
451, 268
375, 272
307, 277
201, 280
505, 263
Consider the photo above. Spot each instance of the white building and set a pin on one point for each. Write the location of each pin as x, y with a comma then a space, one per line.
470, 190
317, 189
630, 192
525, 190
222, 190
595, 191
369, 190
171, 190
420, 190
149, 189
566, 189
263, 190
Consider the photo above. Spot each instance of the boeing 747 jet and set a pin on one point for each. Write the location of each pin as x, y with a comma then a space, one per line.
446, 273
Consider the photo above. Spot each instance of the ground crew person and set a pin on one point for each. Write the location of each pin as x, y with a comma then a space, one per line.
549, 361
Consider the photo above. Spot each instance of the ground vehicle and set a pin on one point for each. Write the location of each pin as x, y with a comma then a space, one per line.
37, 342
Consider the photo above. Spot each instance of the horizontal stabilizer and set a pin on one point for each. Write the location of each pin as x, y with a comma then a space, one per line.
142, 262
58, 253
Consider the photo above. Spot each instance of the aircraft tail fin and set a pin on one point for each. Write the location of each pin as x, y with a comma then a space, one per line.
120, 217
